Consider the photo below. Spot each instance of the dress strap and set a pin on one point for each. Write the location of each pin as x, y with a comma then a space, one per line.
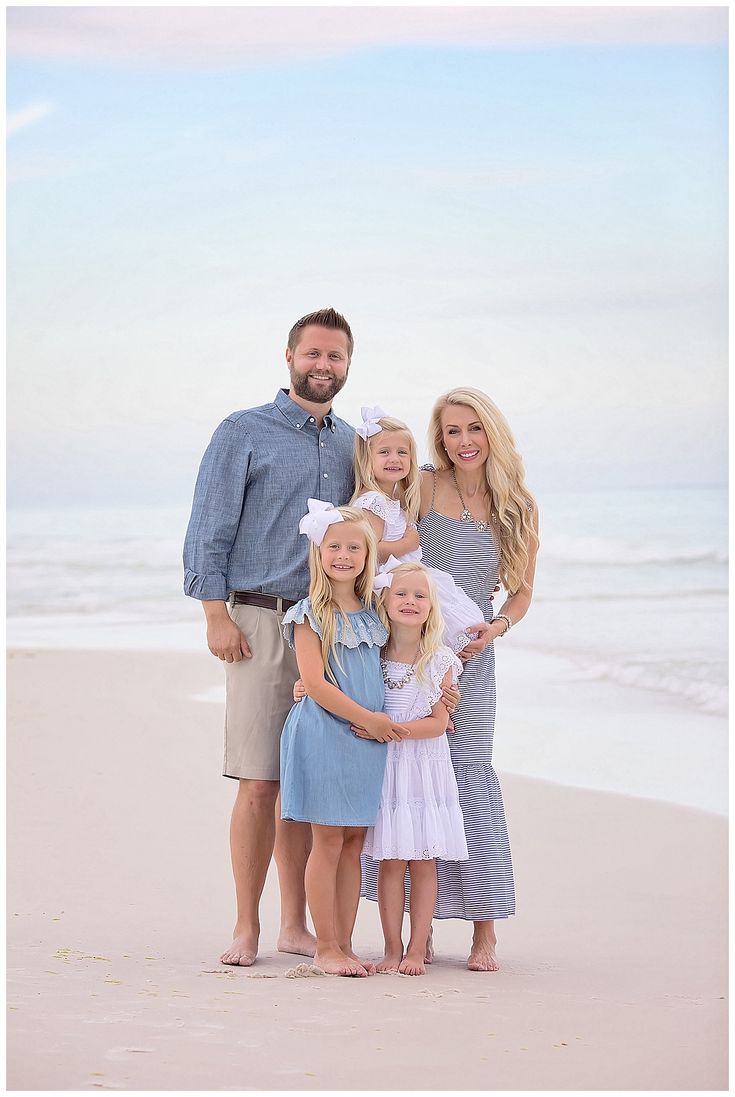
433, 487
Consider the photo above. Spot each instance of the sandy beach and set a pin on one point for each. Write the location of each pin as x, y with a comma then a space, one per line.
614, 971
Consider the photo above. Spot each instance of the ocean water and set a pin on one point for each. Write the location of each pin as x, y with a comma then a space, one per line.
629, 612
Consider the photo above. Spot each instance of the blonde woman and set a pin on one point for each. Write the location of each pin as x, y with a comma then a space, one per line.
478, 521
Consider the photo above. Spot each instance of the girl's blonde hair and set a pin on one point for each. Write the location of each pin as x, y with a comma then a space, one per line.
321, 595
409, 488
432, 629
512, 507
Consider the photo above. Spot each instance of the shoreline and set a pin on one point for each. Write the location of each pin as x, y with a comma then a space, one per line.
120, 900
680, 757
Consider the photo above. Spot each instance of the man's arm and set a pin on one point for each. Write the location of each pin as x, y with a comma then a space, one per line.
215, 518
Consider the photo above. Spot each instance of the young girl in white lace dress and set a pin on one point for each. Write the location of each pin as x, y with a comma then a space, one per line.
419, 818
388, 488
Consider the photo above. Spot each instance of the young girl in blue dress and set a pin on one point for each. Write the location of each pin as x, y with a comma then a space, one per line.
330, 777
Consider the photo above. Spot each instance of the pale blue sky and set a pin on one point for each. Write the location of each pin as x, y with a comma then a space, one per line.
547, 223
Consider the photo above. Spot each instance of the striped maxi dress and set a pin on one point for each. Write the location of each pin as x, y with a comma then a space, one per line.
481, 888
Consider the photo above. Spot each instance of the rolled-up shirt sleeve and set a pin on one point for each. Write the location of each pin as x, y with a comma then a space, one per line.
215, 516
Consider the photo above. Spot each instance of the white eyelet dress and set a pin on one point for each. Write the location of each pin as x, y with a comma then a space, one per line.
419, 817
481, 888
458, 609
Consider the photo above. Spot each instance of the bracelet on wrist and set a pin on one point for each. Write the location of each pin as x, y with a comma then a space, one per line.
508, 622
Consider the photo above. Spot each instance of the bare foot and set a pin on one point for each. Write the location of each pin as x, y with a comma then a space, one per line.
333, 961
390, 961
429, 951
367, 964
243, 950
413, 964
299, 941
482, 957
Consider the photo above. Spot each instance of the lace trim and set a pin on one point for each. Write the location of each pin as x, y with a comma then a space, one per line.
377, 504
361, 627
427, 696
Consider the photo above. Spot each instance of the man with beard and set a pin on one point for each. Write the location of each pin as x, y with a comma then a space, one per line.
246, 562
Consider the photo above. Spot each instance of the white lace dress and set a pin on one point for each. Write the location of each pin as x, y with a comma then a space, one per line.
458, 609
419, 817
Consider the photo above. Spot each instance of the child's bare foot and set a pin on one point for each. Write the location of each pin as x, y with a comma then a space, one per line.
334, 962
390, 961
412, 964
299, 941
367, 964
429, 951
244, 948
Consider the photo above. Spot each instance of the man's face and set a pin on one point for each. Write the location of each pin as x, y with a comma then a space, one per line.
318, 364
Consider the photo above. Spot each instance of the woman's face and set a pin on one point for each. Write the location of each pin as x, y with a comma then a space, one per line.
464, 437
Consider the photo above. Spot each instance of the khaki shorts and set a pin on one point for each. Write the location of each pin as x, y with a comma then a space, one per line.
259, 696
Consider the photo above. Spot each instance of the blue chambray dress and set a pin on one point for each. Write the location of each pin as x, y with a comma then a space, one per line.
328, 775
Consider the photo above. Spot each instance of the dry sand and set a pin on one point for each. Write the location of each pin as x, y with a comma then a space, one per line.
614, 972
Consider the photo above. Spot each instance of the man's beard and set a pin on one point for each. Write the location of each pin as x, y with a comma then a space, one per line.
316, 394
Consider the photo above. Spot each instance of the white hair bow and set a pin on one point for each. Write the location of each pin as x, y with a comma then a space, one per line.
384, 574
370, 424
320, 517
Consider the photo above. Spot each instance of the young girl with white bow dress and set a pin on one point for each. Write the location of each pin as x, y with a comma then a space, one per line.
388, 488
419, 817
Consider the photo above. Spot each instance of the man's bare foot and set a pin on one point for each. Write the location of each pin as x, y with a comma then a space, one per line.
243, 950
412, 964
299, 941
390, 961
429, 951
482, 956
333, 961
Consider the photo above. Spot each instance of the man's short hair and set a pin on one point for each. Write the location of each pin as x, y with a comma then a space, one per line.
324, 318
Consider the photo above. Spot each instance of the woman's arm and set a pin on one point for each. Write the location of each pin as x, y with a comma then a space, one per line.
515, 607
311, 668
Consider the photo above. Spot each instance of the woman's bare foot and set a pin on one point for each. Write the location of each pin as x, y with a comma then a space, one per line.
334, 962
244, 948
429, 951
390, 961
482, 954
412, 964
299, 941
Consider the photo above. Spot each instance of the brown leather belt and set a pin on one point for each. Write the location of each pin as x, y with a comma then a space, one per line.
265, 601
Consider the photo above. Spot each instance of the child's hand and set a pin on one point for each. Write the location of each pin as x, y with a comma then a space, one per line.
299, 690
381, 728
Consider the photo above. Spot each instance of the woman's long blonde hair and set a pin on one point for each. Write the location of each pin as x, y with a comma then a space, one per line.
409, 488
432, 629
512, 507
321, 595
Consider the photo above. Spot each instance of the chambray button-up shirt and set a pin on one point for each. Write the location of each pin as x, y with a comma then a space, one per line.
256, 475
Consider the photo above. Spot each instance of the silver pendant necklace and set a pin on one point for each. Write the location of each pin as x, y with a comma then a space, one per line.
397, 683
466, 515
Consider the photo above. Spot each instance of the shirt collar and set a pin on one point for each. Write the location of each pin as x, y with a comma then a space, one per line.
295, 414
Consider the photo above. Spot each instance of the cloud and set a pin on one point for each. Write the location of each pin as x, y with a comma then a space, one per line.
202, 36
18, 120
